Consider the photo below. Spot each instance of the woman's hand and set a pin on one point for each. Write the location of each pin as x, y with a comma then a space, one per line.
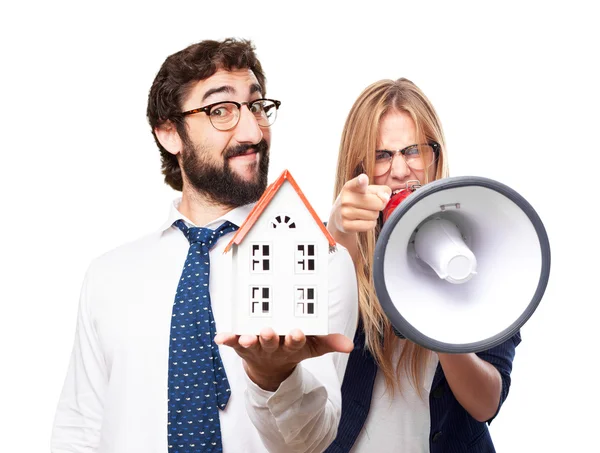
358, 205
355, 210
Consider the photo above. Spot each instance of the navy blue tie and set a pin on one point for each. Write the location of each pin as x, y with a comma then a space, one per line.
198, 385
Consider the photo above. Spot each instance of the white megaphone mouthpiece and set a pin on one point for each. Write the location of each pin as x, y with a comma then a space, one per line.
439, 243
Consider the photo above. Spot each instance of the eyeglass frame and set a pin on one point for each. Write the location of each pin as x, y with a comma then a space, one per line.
206, 109
435, 145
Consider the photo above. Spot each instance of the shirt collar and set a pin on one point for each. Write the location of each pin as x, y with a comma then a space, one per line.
235, 216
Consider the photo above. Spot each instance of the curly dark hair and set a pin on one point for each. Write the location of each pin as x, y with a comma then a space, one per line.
177, 76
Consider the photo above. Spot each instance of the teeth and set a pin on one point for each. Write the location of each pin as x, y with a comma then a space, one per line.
246, 153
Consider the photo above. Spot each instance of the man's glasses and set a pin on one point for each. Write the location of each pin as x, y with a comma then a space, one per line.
225, 116
417, 157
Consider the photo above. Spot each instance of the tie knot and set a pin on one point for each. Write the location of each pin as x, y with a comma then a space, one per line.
204, 236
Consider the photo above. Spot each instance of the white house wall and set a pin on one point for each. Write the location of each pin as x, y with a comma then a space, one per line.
282, 277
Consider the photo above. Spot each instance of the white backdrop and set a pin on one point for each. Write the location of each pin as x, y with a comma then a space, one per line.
515, 84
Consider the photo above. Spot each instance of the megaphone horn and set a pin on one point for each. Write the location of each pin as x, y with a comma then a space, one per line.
461, 264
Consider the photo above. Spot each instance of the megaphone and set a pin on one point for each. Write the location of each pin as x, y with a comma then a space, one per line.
461, 264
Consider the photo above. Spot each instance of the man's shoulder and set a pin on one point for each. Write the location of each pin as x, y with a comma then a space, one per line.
127, 254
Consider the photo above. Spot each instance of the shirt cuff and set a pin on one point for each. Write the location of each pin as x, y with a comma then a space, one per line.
291, 389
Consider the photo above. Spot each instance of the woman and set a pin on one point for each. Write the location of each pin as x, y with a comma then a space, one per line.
398, 396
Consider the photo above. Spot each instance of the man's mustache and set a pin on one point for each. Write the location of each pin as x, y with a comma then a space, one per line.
238, 150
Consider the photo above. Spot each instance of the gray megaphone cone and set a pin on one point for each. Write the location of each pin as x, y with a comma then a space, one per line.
461, 264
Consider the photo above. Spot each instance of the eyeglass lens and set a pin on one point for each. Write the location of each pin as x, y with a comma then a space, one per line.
226, 115
417, 157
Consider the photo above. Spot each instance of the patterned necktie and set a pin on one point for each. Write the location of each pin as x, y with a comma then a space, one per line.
198, 384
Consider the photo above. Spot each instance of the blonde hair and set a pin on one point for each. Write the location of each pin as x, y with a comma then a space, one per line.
356, 156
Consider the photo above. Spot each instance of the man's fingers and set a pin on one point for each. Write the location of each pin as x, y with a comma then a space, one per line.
335, 342
269, 340
294, 341
228, 339
225, 338
248, 341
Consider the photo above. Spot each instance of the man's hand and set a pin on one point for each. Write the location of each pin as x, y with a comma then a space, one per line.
358, 205
269, 359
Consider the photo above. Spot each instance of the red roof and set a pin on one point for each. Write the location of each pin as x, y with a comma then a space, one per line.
264, 202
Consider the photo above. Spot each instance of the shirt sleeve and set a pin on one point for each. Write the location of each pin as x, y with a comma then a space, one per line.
80, 409
303, 414
501, 357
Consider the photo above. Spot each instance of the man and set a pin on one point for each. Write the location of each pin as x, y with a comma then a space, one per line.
145, 374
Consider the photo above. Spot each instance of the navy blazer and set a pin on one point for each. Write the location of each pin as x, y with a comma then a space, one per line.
453, 430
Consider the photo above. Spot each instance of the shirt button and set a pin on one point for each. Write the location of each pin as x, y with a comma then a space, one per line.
438, 392
436, 436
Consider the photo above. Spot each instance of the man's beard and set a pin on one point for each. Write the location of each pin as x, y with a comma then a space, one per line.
218, 183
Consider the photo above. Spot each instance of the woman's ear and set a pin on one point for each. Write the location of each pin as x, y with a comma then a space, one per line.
169, 137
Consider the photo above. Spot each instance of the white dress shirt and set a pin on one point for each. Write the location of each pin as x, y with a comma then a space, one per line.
400, 423
114, 398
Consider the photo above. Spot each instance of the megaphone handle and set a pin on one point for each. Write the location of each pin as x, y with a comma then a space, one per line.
398, 334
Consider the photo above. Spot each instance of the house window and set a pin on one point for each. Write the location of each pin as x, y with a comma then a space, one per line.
260, 301
283, 221
260, 259
306, 258
306, 301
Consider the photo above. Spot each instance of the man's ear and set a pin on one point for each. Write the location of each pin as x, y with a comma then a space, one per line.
169, 137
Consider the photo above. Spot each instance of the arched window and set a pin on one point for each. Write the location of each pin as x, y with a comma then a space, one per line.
282, 221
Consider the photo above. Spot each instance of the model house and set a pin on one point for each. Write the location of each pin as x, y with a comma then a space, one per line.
280, 258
